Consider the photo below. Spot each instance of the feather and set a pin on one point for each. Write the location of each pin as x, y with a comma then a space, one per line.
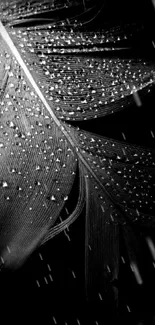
101, 85
30, 143
101, 243
48, 10
49, 75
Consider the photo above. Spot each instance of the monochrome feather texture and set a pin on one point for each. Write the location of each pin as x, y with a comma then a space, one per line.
51, 74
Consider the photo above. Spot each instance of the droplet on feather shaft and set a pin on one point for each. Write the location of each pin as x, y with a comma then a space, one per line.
136, 272
151, 246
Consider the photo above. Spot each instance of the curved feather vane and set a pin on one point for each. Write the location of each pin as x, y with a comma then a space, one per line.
125, 172
22, 9
50, 10
37, 165
81, 87
120, 183
53, 231
101, 243
50, 73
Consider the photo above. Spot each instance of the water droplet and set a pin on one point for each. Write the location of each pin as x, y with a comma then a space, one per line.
37, 183
18, 188
38, 167
53, 198
10, 124
66, 198
4, 184
7, 198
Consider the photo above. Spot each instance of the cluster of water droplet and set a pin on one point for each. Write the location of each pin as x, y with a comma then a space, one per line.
81, 87
124, 172
37, 165
11, 10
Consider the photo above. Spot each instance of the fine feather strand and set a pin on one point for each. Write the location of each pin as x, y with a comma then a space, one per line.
101, 243
37, 167
101, 85
74, 215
